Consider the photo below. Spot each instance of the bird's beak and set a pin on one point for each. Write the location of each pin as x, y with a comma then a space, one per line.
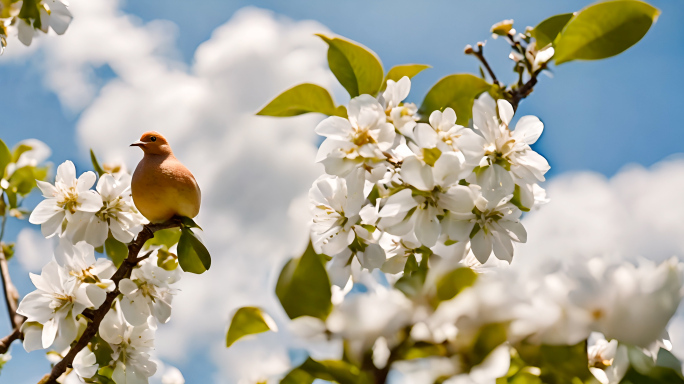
138, 144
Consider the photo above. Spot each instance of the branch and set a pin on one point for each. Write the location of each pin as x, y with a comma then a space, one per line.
516, 95
479, 53
6, 341
99, 314
12, 300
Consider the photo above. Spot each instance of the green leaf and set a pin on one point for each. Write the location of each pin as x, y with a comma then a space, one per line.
116, 250
489, 337
451, 284
457, 91
399, 71
605, 29
248, 321
18, 150
358, 69
547, 31
193, 256
668, 360
303, 98
303, 287
165, 237
29, 12
23, 180
189, 223
644, 371
331, 370
96, 165
297, 376
558, 363
5, 158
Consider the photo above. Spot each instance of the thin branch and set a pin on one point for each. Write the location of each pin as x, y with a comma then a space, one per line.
479, 53
11, 293
6, 341
99, 314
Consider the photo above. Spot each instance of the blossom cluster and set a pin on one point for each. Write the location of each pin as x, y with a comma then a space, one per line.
394, 184
76, 283
27, 17
424, 201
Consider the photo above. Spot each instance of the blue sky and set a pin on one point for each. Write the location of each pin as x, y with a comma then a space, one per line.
598, 116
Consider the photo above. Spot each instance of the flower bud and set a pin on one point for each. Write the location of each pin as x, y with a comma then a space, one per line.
468, 49
502, 28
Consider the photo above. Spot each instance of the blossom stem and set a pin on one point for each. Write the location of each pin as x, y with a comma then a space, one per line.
98, 315
480, 56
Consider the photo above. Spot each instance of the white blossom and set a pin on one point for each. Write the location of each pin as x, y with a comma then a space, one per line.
117, 214
402, 115
148, 292
91, 275
84, 367
131, 347
55, 303
608, 361
359, 140
67, 197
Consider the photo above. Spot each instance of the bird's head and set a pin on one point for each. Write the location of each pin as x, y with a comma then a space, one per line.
153, 143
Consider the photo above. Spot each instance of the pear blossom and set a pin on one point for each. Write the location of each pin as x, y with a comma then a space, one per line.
608, 361
147, 292
89, 274
434, 190
402, 115
335, 204
444, 134
500, 150
55, 303
117, 214
536, 57
359, 140
488, 228
131, 347
84, 367
67, 197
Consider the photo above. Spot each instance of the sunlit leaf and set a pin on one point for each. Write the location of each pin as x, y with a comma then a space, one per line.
452, 283
193, 256
399, 71
547, 31
330, 370
558, 363
116, 250
457, 91
5, 158
357, 68
303, 287
23, 180
604, 29
303, 98
165, 237
248, 321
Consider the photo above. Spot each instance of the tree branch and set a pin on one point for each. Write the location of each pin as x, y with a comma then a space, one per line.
479, 53
99, 314
6, 341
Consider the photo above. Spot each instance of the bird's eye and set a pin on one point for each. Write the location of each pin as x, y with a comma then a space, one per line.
153, 138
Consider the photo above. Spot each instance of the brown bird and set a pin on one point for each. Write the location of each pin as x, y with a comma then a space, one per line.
162, 186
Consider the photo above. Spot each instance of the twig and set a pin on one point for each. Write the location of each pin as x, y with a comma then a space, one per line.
11, 293
479, 53
516, 95
99, 314
6, 341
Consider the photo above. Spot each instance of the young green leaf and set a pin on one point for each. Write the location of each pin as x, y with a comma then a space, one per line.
189, 223
96, 165
399, 71
603, 30
303, 287
248, 321
358, 69
193, 256
330, 370
451, 284
166, 237
547, 31
116, 250
300, 99
23, 180
457, 91
5, 158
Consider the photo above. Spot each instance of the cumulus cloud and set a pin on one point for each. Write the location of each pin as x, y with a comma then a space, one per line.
33, 250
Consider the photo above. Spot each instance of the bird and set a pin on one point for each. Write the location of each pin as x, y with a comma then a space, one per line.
162, 187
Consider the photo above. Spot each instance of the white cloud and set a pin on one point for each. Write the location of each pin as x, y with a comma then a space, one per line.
251, 169
33, 250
